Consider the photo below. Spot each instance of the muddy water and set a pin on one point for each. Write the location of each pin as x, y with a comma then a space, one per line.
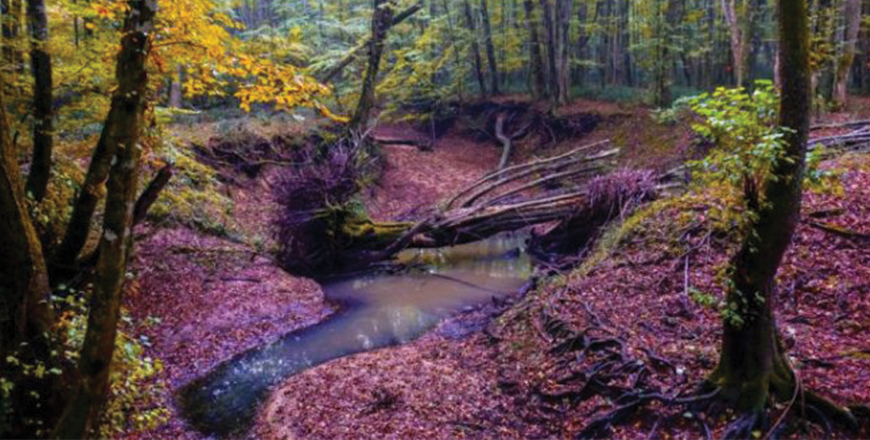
379, 310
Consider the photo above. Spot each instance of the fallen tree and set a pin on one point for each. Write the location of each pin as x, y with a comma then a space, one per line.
323, 229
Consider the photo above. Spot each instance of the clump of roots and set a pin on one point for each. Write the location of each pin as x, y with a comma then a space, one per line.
319, 218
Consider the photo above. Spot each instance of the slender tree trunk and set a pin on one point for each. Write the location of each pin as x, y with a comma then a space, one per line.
350, 57
737, 39
752, 363
176, 89
536, 59
123, 128
563, 40
475, 48
382, 17
852, 18
552, 68
43, 114
490, 48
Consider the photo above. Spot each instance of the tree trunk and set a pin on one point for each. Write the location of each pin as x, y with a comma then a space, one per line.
549, 27
382, 17
737, 39
43, 114
852, 17
176, 89
563, 42
25, 313
537, 61
11, 28
490, 48
123, 129
349, 58
475, 48
751, 363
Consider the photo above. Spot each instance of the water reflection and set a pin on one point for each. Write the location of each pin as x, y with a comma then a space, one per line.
382, 310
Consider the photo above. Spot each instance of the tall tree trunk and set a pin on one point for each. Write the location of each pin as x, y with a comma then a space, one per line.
536, 59
737, 39
123, 128
553, 70
852, 18
350, 57
176, 89
11, 29
490, 48
752, 363
25, 314
382, 18
43, 114
475, 48
563, 41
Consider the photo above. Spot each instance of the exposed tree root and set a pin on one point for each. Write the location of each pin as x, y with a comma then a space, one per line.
598, 363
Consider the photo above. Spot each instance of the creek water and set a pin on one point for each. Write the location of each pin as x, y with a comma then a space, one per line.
378, 310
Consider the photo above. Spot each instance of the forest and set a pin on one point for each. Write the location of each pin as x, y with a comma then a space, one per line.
434, 219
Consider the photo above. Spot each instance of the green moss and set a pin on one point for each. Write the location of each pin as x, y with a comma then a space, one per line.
194, 196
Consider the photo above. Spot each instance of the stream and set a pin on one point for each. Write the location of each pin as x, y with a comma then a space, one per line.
378, 310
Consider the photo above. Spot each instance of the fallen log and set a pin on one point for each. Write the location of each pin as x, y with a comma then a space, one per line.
421, 144
848, 124
501, 178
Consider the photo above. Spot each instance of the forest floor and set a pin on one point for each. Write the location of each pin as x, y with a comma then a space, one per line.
217, 297
645, 287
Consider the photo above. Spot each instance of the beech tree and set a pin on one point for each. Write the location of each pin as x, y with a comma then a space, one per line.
752, 363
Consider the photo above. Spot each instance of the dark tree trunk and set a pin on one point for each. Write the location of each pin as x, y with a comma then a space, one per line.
475, 48
123, 129
25, 314
553, 70
752, 363
490, 48
563, 41
151, 194
43, 114
382, 18
536, 59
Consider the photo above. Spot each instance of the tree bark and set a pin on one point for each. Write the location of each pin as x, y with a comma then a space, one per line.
549, 27
563, 42
751, 363
151, 193
490, 48
852, 17
737, 39
11, 28
475, 48
176, 89
43, 114
382, 17
536, 59
123, 128
347, 60
25, 313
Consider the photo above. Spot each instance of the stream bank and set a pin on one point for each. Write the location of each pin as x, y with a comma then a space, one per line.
212, 298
